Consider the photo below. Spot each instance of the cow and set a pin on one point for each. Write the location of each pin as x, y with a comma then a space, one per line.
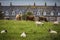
31, 18
43, 19
18, 17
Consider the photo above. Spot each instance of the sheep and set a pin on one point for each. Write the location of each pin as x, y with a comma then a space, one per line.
3, 31
56, 22
52, 31
39, 23
23, 34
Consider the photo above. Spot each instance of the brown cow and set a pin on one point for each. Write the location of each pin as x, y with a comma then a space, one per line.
31, 18
43, 19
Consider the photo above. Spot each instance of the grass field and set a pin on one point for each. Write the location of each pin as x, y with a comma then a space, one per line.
15, 28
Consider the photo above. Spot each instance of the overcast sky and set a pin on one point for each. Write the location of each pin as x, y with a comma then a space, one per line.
30, 2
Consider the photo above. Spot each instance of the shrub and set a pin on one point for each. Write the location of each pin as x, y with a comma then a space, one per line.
29, 13
24, 16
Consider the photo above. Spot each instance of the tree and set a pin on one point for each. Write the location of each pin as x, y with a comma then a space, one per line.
24, 16
29, 13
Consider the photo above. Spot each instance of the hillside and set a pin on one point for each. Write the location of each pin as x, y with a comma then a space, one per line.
15, 28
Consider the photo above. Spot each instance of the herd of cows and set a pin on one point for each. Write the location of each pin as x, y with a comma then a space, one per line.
32, 18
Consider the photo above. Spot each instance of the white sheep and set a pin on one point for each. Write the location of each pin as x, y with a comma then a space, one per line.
52, 31
56, 22
23, 34
39, 23
3, 31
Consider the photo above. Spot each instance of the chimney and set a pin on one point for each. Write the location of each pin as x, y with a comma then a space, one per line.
10, 3
0, 3
34, 3
45, 4
55, 4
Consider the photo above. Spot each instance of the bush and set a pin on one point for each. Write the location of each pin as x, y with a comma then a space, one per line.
24, 16
29, 13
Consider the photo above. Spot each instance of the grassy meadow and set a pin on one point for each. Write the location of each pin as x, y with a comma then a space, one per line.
15, 28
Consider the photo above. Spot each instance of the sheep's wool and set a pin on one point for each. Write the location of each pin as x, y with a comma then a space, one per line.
23, 34
3, 31
38, 22
56, 22
53, 32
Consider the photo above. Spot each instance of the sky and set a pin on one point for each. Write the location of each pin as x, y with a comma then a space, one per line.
30, 2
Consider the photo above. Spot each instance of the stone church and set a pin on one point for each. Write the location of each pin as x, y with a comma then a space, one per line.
52, 13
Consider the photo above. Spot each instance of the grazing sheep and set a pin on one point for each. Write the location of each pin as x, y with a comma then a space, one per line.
23, 34
56, 22
39, 23
3, 31
52, 31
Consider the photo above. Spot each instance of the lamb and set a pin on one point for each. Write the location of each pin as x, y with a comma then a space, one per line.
38, 23
3, 31
56, 22
23, 34
52, 31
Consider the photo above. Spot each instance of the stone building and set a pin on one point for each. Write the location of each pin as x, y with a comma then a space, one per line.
52, 13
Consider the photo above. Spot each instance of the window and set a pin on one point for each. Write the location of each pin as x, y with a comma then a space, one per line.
13, 12
44, 13
6, 13
52, 18
38, 13
20, 12
58, 13
52, 13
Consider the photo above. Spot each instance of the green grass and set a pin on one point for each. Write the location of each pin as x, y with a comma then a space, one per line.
15, 28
